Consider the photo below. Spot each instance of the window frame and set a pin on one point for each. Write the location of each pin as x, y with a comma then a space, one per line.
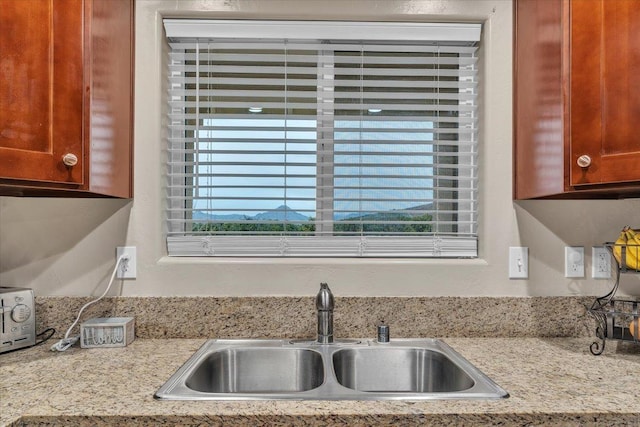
439, 246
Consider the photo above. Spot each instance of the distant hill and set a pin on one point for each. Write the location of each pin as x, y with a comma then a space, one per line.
203, 216
391, 215
285, 213
281, 213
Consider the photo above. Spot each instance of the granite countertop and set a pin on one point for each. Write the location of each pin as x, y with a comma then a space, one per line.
552, 381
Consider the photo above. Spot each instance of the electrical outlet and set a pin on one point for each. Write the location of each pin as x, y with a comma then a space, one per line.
518, 262
600, 263
127, 268
573, 261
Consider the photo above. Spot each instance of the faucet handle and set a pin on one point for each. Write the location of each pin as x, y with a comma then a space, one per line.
324, 299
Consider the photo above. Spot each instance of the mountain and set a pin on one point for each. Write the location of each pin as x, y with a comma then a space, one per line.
281, 213
391, 215
203, 216
284, 212
428, 207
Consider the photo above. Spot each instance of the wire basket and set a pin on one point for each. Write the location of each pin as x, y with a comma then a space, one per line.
617, 318
627, 256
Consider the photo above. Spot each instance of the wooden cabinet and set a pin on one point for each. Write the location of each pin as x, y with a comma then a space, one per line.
66, 97
576, 99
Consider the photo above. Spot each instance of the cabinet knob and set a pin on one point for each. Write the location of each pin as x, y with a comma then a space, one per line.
584, 161
70, 159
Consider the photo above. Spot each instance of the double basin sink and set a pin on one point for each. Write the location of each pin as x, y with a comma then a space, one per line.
403, 369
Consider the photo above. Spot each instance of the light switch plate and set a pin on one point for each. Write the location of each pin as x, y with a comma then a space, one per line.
574, 261
600, 263
518, 262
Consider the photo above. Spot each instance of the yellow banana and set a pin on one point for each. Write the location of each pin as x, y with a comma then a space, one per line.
635, 235
633, 249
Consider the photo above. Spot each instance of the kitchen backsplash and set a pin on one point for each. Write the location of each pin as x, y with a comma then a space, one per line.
295, 317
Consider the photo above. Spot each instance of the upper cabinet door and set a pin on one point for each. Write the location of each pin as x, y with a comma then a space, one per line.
41, 106
604, 91
576, 99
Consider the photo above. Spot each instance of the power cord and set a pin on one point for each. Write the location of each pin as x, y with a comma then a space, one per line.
67, 341
51, 331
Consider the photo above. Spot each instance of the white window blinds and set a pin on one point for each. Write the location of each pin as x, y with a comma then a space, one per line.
287, 141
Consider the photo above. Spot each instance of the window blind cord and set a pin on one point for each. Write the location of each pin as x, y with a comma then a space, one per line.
360, 160
67, 341
286, 124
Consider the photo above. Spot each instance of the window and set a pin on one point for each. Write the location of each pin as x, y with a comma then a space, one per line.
313, 139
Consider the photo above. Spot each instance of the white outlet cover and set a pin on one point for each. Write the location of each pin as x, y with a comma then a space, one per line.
574, 261
128, 269
600, 263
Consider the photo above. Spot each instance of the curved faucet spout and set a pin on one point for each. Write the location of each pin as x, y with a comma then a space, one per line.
325, 304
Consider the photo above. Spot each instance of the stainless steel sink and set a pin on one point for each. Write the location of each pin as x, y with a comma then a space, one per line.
257, 370
403, 369
406, 370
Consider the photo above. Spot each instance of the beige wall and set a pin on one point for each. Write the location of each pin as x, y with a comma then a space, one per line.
67, 247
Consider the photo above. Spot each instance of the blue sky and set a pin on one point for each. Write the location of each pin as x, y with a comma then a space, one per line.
266, 146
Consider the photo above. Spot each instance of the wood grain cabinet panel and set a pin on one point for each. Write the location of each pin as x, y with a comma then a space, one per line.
66, 96
576, 99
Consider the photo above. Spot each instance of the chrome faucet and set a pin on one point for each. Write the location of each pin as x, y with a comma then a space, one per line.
325, 304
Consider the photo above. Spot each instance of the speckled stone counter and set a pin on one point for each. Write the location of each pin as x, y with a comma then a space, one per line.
295, 317
552, 381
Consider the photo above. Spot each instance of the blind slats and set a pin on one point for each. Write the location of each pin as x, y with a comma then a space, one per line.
380, 246
321, 147
296, 61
